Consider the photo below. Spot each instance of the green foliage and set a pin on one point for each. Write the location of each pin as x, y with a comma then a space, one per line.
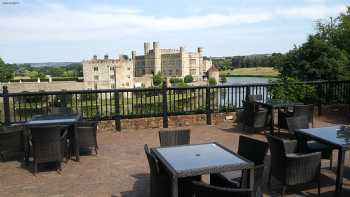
293, 90
188, 79
212, 81
174, 81
158, 79
6, 71
325, 55
223, 79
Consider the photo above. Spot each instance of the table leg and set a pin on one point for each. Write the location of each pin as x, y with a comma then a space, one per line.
251, 181
175, 187
76, 143
340, 171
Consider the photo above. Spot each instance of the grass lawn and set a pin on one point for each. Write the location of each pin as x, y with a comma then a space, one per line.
257, 71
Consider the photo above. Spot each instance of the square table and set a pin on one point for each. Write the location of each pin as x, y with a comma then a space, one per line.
66, 119
199, 159
273, 104
338, 138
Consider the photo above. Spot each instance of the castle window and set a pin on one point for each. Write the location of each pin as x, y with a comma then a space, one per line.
193, 61
96, 77
111, 68
112, 77
129, 76
128, 68
95, 69
95, 86
127, 84
112, 86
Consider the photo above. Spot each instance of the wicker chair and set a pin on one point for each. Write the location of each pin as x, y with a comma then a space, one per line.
173, 137
87, 135
290, 167
201, 189
12, 142
49, 144
298, 110
159, 181
253, 117
253, 150
301, 122
60, 111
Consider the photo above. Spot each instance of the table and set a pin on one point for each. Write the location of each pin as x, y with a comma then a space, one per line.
67, 119
273, 104
198, 159
337, 138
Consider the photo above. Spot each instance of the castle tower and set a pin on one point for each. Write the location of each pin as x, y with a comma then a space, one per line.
94, 57
157, 58
185, 64
106, 57
147, 47
133, 55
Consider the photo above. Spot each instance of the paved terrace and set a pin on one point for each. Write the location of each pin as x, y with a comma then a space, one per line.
121, 168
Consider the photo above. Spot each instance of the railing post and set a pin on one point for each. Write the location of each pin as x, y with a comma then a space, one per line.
117, 111
319, 99
6, 101
165, 105
247, 90
207, 99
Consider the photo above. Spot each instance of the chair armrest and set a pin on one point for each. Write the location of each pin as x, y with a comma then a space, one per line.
283, 114
290, 146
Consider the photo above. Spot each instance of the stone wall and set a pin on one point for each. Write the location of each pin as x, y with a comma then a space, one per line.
43, 86
173, 121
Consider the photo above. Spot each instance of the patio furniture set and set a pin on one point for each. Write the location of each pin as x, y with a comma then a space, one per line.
48, 138
176, 167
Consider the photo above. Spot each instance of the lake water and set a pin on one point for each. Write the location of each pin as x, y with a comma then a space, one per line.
247, 80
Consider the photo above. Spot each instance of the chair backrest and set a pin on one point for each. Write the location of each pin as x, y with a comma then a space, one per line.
11, 140
60, 110
304, 110
253, 98
297, 122
87, 133
45, 134
173, 137
201, 189
278, 154
152, 161
252, 149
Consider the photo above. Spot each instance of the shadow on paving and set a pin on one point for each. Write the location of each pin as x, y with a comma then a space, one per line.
140, 187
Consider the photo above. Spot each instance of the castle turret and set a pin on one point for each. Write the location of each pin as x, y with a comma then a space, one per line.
182, 50
147, 48
106, 57
200, 50
157, 58
94, 57
133, 55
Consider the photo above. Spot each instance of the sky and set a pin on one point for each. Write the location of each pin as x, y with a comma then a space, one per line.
65, 30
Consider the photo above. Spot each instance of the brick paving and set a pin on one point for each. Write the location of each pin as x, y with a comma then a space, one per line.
121, 169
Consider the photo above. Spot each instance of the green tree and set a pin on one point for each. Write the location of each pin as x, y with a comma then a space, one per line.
223, 79
188, 79
6, 71
158, 79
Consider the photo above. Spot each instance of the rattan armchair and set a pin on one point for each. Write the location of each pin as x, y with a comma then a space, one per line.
49, 144
174, 136
87, 135
253, 117
201, 189
253, 150
60, 111
298, 110
12, 142
290, 167
160, 182
305, 146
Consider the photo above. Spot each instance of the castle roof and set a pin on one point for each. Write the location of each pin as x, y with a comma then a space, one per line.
213, 69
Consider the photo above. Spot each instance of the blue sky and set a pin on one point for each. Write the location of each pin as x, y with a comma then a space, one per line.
43, 30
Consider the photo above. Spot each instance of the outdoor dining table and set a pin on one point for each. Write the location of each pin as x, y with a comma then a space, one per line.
273, 104
338, 137
66, 120
199, 159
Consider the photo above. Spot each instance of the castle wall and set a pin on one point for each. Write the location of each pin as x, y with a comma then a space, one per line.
43, 86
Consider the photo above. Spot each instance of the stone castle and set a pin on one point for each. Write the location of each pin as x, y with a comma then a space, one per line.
124, 72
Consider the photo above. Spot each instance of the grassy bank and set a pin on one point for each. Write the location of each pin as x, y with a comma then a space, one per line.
251, 72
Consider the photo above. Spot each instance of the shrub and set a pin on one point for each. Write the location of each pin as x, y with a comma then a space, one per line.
212, 81
188, 79
157, 79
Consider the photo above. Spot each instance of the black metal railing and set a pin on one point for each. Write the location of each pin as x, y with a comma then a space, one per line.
117, 104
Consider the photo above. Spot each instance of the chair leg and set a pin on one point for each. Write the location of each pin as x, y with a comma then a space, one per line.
35, 167
96, 150
331, 161
283, 190
269, 179
319, 187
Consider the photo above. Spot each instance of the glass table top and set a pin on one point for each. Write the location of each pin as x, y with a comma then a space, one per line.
339, 135
190, 157
54, 119
278, 102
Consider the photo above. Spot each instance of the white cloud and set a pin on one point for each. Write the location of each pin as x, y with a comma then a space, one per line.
57, 22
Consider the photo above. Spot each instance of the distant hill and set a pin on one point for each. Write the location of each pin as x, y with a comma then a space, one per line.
51, 64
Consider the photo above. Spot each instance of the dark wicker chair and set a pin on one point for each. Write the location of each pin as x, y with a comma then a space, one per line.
201, 189
49, 144
253, 117
290, 167
253, 150
305, 146
60, 111
174, 136
87, 135
298, 110
160, 183
12, 142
